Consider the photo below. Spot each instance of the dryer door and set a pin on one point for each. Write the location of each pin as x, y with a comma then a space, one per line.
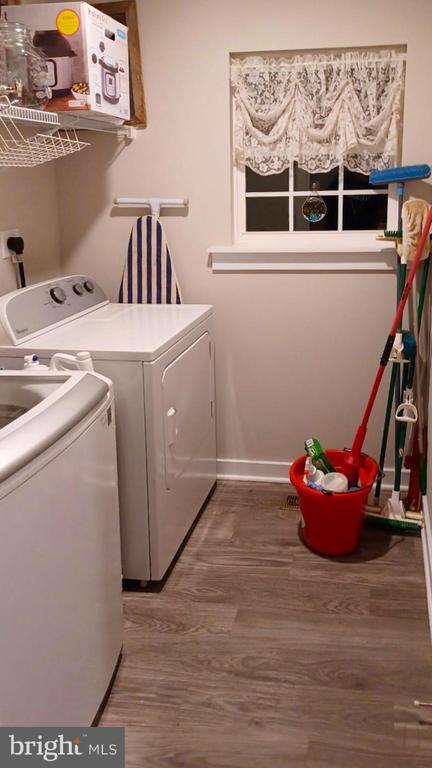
181, 441
187, 405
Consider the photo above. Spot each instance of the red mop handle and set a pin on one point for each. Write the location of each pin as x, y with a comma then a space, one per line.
354, 458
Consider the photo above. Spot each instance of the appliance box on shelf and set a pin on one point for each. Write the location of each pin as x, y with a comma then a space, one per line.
87, 56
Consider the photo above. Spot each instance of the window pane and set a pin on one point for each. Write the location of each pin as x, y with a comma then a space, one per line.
328, 223
365, 212
267, 214
276, 182
354, 180
303, 180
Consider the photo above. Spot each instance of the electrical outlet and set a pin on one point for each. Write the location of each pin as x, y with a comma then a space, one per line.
5, 253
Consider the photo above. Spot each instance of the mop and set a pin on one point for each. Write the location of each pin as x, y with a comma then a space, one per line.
352, 459
398, 357
414, 215
416, 461
398, 176
406, 413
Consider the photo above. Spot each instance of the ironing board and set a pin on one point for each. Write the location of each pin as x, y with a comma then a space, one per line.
148, 275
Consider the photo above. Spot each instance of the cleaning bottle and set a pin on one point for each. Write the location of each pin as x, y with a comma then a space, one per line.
312, 475
32, 361
319, 459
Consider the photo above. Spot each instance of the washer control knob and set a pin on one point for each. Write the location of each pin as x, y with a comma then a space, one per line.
89, 286
78, 289
58, 295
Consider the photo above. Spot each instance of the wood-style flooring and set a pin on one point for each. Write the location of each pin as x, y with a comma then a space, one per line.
258, 653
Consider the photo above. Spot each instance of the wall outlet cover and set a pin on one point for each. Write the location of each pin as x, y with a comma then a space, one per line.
5, 253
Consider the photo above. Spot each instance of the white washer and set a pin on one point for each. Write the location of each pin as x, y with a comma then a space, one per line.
161, 361
60, 566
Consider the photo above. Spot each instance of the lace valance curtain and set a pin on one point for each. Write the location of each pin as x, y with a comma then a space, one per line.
319, 110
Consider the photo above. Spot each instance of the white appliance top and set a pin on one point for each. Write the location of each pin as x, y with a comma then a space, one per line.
64, 314
39, 408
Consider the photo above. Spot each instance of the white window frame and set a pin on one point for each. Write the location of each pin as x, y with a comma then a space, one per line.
348, 240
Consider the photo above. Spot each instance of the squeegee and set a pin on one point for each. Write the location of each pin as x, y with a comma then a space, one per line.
399, 175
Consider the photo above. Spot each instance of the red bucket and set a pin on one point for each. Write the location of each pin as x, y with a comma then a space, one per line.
332, 522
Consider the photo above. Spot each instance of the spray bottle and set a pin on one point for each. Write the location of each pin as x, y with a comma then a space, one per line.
319, 459
312, 475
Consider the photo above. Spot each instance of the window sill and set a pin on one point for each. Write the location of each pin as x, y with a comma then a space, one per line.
365, 255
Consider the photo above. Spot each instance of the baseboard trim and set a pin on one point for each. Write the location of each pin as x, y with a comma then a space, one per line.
278, 472
427, 556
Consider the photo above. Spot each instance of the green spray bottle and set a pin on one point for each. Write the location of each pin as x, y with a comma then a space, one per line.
314, 450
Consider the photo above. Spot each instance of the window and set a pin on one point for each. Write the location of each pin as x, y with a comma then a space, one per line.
275, 203
315, 124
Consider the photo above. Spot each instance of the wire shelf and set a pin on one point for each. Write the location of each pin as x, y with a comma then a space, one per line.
27, 115
38, 149
19, 151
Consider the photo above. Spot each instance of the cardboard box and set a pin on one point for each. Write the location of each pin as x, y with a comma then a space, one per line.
87, 57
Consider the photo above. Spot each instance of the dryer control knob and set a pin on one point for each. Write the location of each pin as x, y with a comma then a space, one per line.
89, 286
58, 295
78, 289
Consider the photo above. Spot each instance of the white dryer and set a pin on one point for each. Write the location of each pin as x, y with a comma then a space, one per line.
161, 361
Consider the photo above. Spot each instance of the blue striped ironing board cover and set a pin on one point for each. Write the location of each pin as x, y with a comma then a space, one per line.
148, 275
